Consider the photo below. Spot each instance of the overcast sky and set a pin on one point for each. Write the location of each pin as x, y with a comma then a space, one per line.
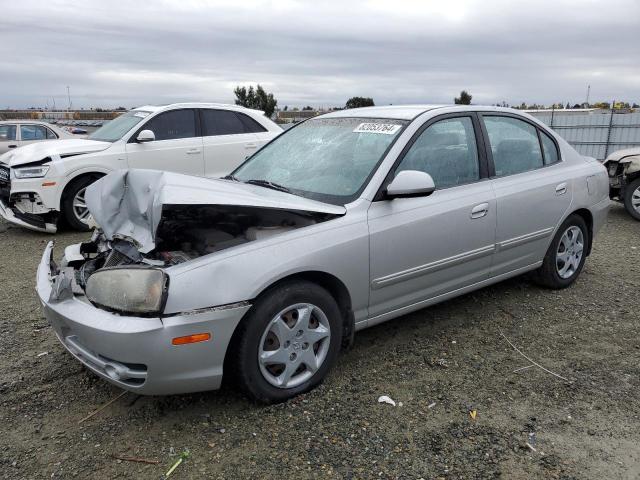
319, 53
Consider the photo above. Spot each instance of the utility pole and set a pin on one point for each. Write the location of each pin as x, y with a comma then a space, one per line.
69, 97
54, 102
588, 92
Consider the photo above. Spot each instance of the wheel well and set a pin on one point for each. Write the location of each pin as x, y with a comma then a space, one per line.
588, 219
338, 291
74, 180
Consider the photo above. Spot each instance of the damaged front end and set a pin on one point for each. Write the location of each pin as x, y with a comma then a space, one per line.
623, 167
150, 221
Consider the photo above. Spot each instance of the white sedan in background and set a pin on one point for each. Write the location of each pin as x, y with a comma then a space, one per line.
41, 182
16, 133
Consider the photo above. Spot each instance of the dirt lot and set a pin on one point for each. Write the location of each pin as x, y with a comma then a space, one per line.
441, 363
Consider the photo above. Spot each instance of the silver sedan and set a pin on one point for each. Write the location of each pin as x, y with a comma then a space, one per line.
346, 220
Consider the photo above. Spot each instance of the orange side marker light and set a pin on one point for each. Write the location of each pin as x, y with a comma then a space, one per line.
195, 338
48, 184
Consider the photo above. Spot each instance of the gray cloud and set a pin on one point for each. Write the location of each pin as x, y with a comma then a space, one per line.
131, 53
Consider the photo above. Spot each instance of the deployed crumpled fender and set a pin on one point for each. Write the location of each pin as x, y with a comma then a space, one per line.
128, 203
630, 157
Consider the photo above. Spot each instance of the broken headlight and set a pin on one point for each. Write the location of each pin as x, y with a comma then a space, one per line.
31, 172
137, 290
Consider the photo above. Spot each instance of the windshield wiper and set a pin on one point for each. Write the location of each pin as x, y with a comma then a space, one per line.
268, 184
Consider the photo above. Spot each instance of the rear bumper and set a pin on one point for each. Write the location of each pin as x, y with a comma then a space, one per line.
136, 353
26, 221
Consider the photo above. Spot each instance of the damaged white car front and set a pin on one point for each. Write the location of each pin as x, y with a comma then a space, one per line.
623, 167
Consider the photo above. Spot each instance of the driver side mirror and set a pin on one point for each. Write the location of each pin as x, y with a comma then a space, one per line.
146, 136
411, 183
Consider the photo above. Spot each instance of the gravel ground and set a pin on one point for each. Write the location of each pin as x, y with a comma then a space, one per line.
442, 363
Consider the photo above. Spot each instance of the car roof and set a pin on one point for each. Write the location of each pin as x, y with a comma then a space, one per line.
171, 106
397, 112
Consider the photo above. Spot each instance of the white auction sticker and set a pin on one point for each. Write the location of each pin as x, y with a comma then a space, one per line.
386, 128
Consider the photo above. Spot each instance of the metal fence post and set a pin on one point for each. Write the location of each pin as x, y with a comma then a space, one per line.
606, 148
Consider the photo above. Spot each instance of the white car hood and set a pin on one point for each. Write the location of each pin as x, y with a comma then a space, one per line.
53, 149
128, 203
622, 154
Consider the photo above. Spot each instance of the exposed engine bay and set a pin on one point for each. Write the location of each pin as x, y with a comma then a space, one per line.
186, 232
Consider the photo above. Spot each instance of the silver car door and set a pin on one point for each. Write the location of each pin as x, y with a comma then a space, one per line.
532, 188
8, 137
427, 246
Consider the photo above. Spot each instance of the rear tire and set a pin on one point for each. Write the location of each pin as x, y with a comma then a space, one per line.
566, 255
632, 198
72, 203
273, 347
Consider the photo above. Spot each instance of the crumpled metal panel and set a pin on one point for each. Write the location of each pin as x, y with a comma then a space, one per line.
128, 203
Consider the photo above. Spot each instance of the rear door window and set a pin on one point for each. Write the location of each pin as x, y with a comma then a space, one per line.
514, 145
173, 125
250, 125
33, 132
51, 135
550, 149
7, 133
226, 122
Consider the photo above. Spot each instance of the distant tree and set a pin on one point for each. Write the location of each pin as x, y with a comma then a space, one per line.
257, 99
463, 99
307, 108
635, 105
120, 109
568, 106
577, 105
286, 107
357, 102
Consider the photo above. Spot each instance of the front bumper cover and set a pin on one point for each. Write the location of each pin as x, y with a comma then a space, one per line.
136, 353
13, 216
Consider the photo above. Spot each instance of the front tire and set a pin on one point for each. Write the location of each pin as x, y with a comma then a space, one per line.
566, 255
287, 343
632, 198
74, 207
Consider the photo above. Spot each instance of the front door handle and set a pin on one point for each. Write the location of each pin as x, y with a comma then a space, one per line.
13, 146
250, 145
561, 188
480, 211
193, 151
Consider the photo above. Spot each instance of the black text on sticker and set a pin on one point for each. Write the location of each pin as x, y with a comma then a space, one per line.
386, 128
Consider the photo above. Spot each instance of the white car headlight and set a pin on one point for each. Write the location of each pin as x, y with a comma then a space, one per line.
128, 289
31, 172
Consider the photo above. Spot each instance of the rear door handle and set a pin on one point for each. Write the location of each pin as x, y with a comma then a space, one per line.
193, 151
13, 146
561, 188
480, 211
250, 145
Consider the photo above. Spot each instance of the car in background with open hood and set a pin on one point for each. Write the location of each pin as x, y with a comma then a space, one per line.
43, 181
344, 221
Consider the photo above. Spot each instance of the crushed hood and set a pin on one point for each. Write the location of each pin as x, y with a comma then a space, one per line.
128, 203
622, 154
53, 149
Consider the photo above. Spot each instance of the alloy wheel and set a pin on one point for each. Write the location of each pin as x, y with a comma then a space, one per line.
570, 251
635, 199
294, 345
80, 209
